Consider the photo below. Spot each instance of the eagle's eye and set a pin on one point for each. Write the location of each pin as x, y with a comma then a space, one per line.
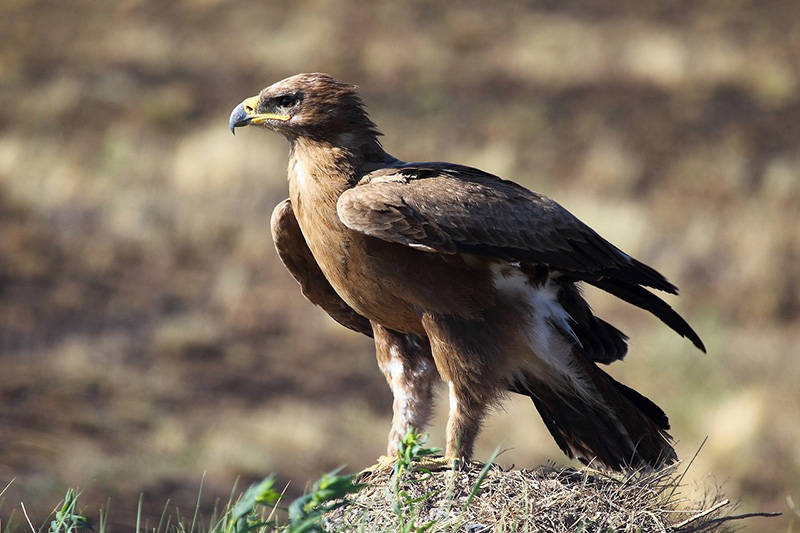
286, 101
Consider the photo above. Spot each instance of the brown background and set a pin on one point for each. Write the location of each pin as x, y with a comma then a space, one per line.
148, 333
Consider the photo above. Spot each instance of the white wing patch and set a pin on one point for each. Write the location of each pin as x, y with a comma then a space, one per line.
423, 247
547, 323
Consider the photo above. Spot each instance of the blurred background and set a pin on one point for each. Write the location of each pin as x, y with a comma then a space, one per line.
149, 335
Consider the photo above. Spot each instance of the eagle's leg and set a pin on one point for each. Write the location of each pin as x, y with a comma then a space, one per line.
407, 363
467, 354
463, 423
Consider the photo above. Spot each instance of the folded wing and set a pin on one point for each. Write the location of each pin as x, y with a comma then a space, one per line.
448, 209
296, 256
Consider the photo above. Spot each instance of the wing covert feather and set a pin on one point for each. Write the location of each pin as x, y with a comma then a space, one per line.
451, 209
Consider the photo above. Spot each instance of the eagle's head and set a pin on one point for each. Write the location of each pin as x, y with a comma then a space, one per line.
312, 106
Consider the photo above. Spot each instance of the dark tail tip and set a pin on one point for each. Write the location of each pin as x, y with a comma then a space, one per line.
644, 299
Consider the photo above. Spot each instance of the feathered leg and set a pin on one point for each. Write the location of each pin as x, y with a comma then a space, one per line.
466, 354
407, 363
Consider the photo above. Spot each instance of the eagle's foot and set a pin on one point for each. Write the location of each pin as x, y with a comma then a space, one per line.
438, 463
384, 464
435, 463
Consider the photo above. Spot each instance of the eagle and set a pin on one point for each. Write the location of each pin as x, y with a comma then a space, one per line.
459, 276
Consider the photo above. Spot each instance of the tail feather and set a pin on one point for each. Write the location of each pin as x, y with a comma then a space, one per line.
619, 429
641, 297
643, 403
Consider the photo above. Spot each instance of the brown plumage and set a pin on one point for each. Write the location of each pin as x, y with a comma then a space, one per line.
458, 275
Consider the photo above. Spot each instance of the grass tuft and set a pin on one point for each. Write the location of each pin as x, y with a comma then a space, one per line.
69, 519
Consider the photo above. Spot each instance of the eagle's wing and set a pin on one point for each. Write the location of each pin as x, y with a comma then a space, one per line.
450, 209
296, 256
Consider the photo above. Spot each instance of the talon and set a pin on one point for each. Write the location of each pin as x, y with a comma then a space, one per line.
384, 463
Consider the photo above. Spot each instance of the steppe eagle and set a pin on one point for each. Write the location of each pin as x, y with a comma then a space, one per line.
459, 275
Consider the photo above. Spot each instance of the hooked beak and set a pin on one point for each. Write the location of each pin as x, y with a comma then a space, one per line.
245, 114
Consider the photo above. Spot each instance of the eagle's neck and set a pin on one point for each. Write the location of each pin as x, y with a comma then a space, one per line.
324, 170
318, 175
